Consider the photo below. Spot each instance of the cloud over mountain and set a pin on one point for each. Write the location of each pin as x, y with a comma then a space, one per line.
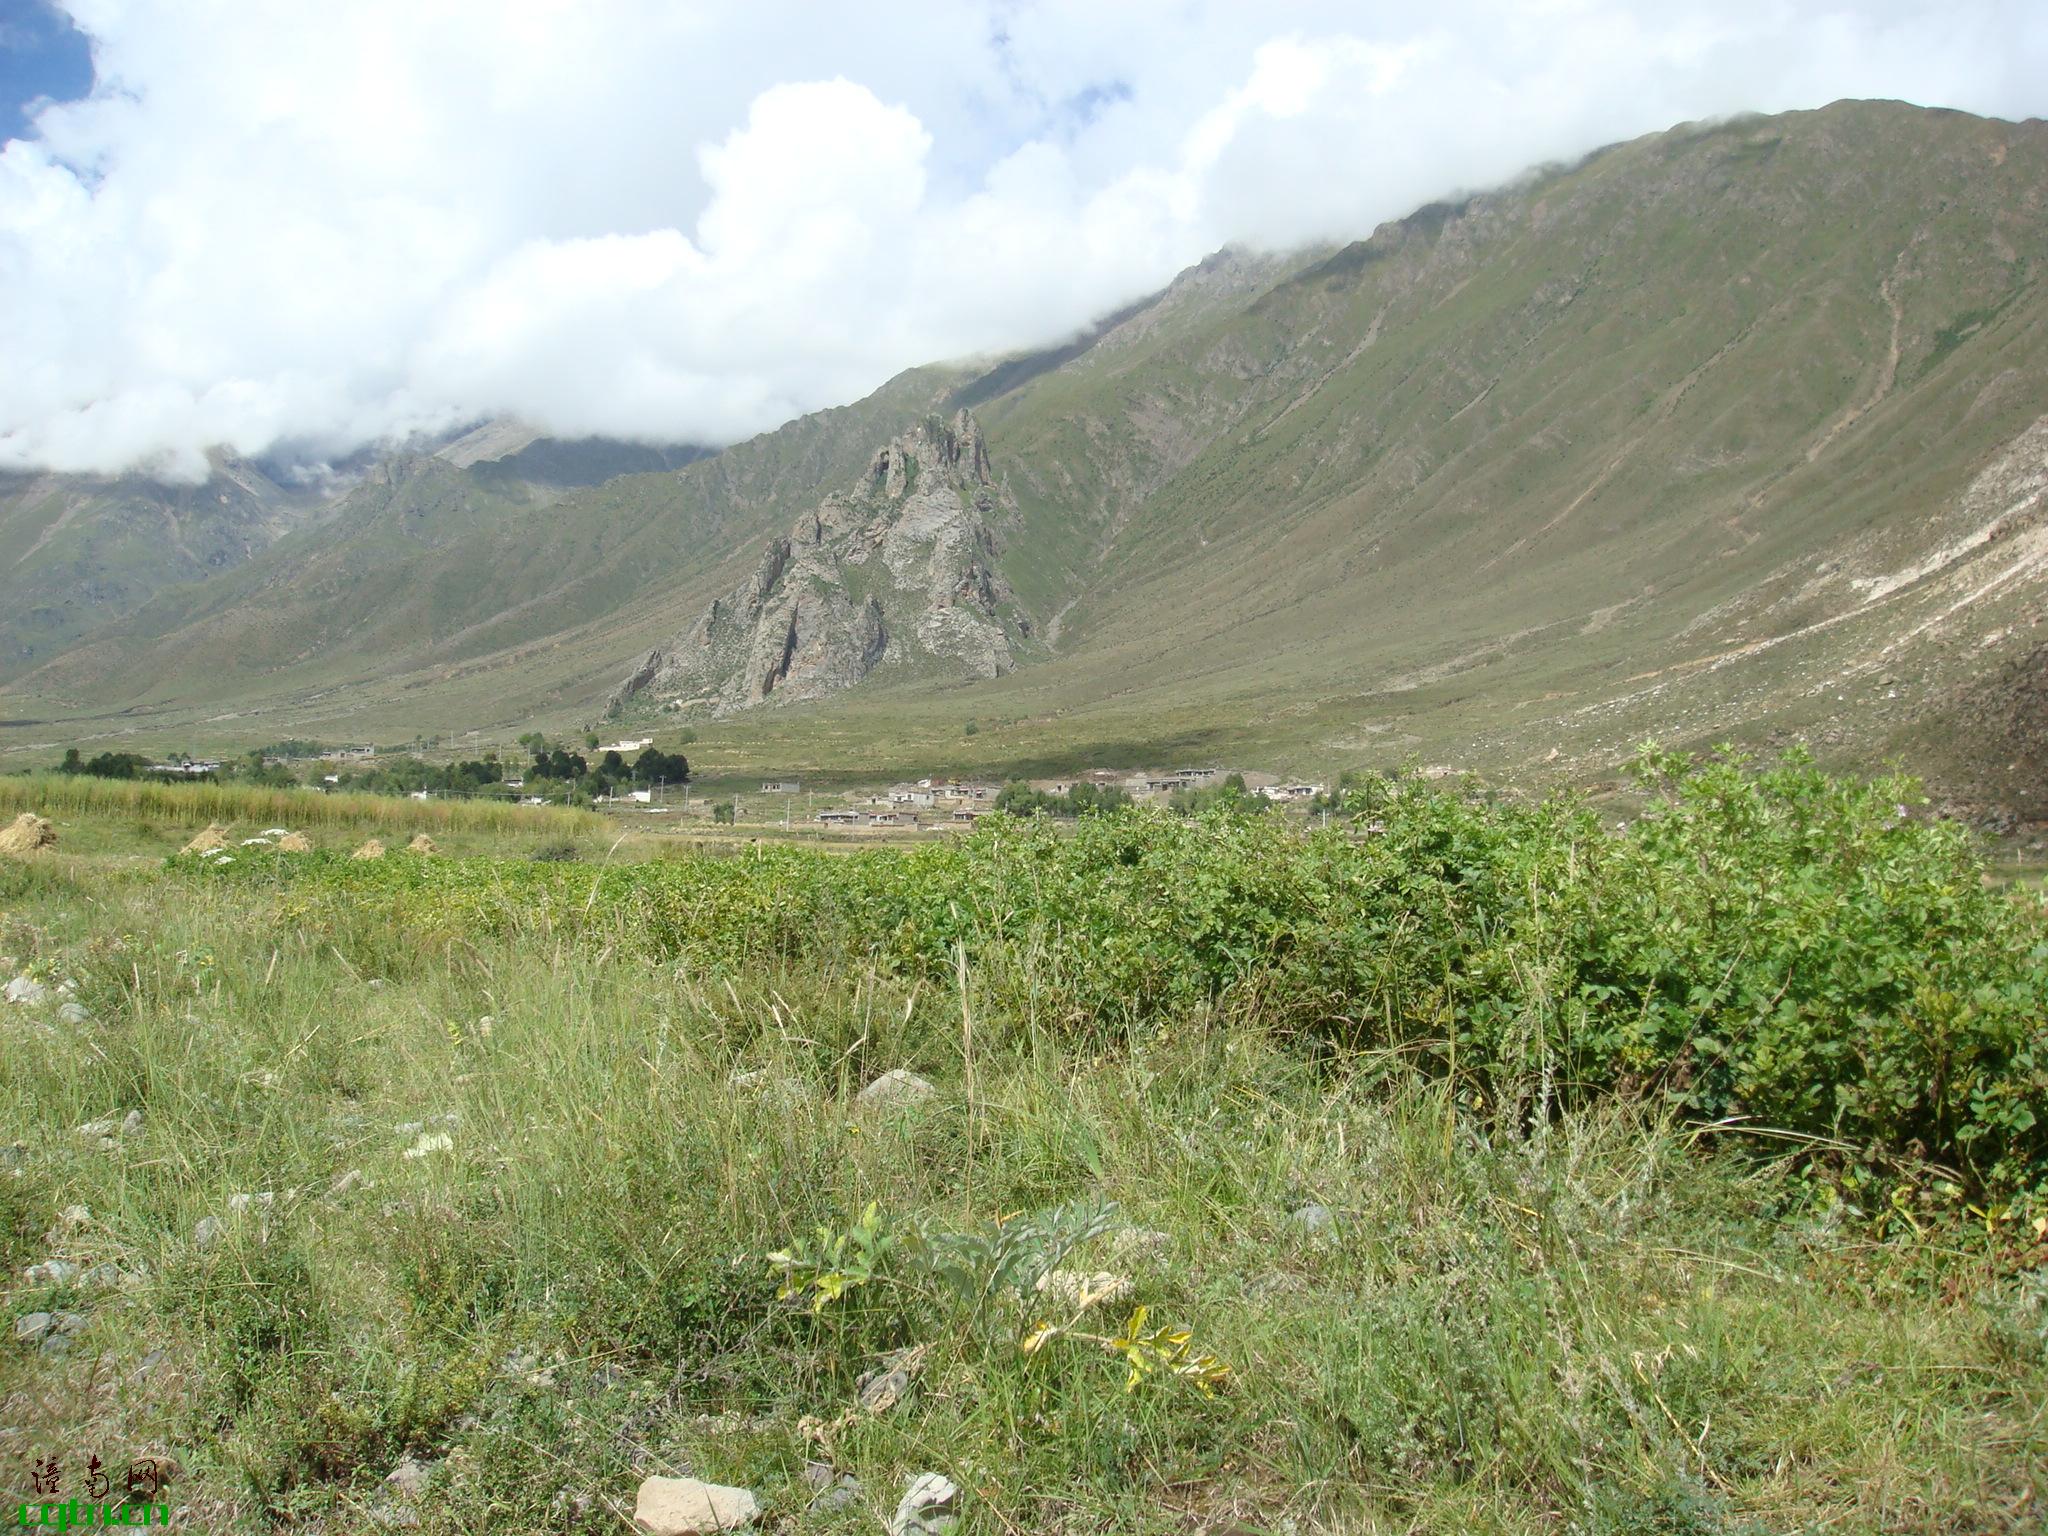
327, 225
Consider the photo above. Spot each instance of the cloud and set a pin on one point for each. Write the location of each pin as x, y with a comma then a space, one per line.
333, 225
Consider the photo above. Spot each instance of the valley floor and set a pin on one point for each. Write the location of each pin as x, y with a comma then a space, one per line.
359, 1215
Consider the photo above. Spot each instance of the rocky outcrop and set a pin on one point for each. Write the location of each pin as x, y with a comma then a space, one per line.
896, 572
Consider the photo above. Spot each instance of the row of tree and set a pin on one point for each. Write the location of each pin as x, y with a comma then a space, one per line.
1020, 799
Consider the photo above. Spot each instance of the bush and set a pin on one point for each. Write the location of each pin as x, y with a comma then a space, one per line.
1779, 946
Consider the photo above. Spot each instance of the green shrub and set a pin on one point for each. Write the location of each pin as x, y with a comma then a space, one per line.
1778, 946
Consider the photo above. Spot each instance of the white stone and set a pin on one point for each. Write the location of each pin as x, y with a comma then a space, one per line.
895, 1087
27, 991
928, 1508
683, 1506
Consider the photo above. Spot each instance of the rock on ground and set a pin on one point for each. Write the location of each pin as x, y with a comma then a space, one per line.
683, 1506
929, 1507
27, 991
893, 1088
408, 1479
1318, 1219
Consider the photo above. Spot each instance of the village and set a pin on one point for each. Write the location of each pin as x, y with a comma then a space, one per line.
791, 806
939, 804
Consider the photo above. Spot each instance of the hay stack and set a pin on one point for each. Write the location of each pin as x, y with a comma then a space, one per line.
421, 843
370, 850
215, 836
26, 834
295, 842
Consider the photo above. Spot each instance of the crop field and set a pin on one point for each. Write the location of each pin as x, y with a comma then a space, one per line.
1466, 1165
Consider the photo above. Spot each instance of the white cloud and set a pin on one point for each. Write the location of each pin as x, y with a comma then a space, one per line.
359, 220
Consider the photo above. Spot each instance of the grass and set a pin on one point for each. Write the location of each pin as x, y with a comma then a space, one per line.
1597, 1319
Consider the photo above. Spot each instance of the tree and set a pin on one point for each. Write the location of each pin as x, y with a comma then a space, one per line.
655, 766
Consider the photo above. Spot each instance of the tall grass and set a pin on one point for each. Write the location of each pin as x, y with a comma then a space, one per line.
1596, 1325
197, 805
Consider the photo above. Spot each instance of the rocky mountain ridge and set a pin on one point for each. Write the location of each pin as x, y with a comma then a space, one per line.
898, 572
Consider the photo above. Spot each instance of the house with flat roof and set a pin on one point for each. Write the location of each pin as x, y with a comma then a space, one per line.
1292, 791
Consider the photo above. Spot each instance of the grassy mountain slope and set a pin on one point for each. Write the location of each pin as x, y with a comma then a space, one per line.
78, 554
1722, 431
1668, 406
431, 571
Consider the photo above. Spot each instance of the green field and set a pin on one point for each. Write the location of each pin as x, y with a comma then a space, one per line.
1503, 1170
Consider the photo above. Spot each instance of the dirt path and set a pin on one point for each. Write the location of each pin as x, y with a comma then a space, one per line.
1887, 376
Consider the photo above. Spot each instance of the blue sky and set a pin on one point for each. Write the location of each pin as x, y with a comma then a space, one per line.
41, 55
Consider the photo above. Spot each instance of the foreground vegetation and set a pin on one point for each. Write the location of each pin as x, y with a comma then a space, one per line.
1501, 1171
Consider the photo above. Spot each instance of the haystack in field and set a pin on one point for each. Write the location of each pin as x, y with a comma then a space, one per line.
370, 850
215, 836
26, 834
421, 843
295, 842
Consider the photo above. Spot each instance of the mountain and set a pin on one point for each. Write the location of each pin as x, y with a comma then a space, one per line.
895, 572
433, 580
80, 553
1734, 430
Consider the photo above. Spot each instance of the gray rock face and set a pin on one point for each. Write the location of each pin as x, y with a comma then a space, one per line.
683, 1506
896, 571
